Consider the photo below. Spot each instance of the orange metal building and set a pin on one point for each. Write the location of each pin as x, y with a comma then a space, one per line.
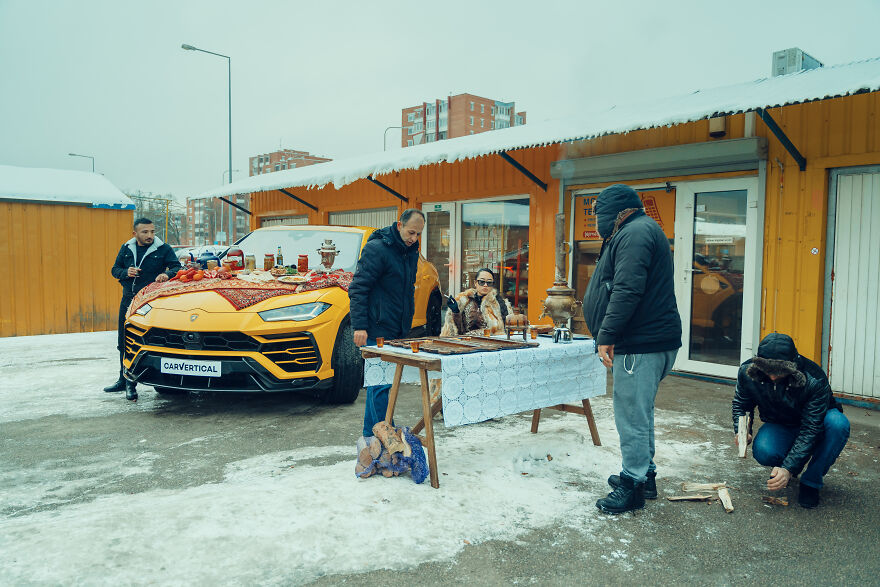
769, 192
60, 232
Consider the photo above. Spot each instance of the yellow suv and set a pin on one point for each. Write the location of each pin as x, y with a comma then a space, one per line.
299, 341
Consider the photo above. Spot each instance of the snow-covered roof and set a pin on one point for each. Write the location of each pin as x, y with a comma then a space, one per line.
61, 186
804, 86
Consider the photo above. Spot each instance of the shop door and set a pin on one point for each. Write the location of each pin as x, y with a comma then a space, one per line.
717, 256
438, 243
852, 355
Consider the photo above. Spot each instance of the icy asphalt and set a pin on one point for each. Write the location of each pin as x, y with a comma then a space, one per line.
219, 489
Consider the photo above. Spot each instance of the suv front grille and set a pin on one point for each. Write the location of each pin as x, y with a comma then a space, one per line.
200, 341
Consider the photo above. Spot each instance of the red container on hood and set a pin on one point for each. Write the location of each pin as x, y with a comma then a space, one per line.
235, 256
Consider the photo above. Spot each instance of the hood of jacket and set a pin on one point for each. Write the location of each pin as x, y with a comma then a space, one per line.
611, 202
132, 246
391, 237
777, 356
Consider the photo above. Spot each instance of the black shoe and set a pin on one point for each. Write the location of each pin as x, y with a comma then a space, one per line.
131, 393
650, 484
118, 386
808, 497
626, 497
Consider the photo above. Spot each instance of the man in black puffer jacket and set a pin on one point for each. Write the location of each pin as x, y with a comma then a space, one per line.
382, 294
802, 420
631, 311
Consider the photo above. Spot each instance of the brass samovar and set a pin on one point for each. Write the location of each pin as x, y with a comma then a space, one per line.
560, 304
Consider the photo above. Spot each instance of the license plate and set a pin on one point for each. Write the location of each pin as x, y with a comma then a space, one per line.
190, 367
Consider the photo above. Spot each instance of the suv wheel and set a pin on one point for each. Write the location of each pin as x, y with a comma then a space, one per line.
348, 368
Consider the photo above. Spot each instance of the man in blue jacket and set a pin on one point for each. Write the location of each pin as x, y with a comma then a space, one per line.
802, 420
382, 294
631, 311
143, 259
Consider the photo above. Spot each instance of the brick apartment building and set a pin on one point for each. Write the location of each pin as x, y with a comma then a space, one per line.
282, 160
456, 116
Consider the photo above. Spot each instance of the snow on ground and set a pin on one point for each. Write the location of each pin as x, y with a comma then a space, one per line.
285, 516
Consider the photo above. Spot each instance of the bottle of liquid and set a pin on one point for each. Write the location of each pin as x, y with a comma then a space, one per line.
279, 260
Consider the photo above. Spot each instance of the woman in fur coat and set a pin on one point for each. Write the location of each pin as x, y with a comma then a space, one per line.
478, 308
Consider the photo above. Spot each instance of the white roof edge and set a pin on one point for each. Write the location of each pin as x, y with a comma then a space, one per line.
804, 86
61, 186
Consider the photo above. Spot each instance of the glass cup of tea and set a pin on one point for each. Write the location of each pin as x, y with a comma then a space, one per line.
414, 346
380, 341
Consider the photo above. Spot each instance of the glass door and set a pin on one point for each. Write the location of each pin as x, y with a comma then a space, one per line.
438, 243
716, 260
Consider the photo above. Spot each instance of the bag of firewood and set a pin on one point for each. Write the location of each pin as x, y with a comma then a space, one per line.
390, 453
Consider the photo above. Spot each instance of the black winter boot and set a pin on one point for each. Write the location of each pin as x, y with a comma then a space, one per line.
650, 484
118, 386
626, 497
808, 497
131, 393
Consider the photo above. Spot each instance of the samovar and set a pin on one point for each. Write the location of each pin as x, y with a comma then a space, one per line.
328, 254
560, 304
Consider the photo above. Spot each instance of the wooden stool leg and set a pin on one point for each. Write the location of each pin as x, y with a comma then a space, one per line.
429, 430
392, 393
594, 432
536, 417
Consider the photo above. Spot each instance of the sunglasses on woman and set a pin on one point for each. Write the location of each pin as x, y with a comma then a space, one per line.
484, 282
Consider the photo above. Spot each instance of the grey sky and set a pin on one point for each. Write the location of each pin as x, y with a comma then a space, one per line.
109, 79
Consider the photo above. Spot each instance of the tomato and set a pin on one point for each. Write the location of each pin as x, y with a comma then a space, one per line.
198, 276
191, 272
184, 279
180, 272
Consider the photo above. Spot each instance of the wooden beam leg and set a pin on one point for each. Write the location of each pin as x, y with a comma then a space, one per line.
429, 430
594, 432
536, 418
435, 408
392, 393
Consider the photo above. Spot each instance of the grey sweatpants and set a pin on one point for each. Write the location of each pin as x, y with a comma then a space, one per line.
636, 378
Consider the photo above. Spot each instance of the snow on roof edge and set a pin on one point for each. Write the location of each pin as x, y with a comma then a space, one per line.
60, 186
804, 86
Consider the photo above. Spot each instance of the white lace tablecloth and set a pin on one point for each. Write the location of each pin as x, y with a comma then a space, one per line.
481, 386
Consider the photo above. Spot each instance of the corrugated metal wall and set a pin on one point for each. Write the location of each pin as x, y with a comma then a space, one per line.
57, 261
376, 218
284, 220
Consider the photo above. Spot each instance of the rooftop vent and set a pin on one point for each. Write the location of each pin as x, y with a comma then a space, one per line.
791, 61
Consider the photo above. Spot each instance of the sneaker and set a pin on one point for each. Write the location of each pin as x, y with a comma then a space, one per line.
650, 484
808, 497
626, 497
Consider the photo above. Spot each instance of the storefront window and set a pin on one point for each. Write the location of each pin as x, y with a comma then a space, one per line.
496, 235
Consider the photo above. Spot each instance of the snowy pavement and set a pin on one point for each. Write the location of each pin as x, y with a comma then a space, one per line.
204, 490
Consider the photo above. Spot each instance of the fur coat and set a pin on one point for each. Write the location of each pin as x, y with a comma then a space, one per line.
473, 319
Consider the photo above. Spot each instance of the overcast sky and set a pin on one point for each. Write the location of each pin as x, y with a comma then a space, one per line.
109, 79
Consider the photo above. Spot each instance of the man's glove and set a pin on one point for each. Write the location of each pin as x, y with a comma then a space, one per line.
452, 305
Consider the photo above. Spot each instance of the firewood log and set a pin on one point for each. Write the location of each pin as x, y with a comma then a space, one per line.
724, 496
742, 435
702, 486
775, 500
700, 497
375, 447
364, 457
388, 436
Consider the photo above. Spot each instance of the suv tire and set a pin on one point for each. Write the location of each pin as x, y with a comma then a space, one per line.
348, 368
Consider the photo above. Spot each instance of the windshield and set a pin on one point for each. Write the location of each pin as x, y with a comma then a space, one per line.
303, 242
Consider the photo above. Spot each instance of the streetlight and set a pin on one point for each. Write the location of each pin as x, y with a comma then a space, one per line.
228, 207
87, 157
225, 171
385, 136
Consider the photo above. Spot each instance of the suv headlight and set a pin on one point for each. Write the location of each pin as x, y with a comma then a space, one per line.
298, 313
143, 310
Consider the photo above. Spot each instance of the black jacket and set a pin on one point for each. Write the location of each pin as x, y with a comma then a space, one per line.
630, 300
798, 400
382, 291
159, 258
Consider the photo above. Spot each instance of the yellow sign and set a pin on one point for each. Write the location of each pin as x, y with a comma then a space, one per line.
659, 205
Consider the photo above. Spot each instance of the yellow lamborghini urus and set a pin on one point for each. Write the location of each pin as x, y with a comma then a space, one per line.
198, 341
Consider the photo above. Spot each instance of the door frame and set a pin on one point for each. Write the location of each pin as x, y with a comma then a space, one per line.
752, 271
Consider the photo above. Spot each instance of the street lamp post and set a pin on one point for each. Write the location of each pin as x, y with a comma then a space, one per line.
229, 78
385, 136
87, 157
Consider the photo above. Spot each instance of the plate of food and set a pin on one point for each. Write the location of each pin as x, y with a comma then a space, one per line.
292, 279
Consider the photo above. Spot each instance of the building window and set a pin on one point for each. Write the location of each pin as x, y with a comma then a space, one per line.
409, 143
470, 132
482, 108
410, 116
442, 135
482, 123
409, 130
472, 106
471, 119
430, 124
493, 124
277, 167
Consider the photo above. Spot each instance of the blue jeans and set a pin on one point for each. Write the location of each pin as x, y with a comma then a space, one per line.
377, 403
636, 378
773, 441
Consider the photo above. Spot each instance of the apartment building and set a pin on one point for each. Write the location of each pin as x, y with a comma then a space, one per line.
281, 160
212, 221
456, 116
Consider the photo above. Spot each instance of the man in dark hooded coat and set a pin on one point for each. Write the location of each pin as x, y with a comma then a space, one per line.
802, 420
631, 311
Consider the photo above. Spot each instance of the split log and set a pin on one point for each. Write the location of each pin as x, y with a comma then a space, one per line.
775, 500
700, 497
387, 473
742, 435
702, 486
407, 449
364, 457
375, 447
724, 496
388, 436
359, 468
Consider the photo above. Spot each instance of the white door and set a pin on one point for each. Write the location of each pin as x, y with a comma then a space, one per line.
853, 355
439, 243
717, 266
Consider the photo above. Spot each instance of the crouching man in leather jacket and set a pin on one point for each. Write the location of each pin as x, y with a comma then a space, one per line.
802, 420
